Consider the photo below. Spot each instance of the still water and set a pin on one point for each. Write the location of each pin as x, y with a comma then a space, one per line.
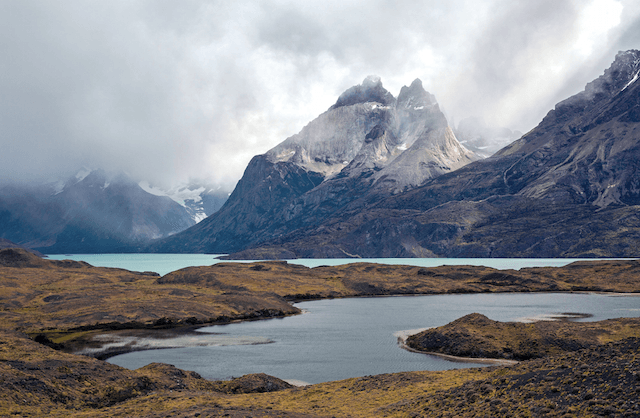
166, 263
342, 338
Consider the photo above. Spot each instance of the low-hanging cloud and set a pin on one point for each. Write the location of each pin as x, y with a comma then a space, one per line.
170, 91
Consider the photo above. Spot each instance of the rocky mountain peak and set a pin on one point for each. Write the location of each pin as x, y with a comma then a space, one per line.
415, 96
622, 72
370, 90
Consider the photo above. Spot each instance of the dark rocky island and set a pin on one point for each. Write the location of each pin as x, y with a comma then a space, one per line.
477, 336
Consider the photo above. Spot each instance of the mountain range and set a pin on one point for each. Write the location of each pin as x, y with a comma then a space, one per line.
369, 144
378, 176
95, 212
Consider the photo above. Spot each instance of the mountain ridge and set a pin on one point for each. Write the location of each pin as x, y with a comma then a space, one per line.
376, 147
94, 211
568, 188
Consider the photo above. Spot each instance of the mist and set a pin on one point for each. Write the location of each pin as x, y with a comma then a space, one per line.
176, 91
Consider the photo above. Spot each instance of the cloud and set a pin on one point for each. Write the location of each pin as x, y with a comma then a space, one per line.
169, 91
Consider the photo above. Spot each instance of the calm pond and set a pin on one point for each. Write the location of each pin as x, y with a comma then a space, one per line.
342, 338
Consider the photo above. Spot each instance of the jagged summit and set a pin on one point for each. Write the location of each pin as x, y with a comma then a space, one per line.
614, 96
368, 129
370, 90
624, 71
415, 95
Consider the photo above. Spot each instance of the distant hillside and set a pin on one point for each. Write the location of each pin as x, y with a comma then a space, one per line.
91, 212
5, 243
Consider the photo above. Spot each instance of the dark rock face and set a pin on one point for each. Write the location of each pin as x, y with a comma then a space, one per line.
258, 199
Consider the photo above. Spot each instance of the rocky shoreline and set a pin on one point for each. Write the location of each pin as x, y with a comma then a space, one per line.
402, 342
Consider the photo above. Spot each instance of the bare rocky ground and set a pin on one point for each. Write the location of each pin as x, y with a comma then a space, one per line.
602, 381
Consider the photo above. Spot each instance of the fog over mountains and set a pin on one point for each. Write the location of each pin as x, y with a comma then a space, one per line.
173, 91
95, 211
379, 176
376, 176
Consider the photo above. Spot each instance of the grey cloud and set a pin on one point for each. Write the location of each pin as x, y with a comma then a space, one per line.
504, 51
170, 90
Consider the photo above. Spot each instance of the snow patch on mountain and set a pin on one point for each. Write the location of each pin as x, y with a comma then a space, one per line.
83, 173
200, 200
57, 187
150, 189
179, 194
635, 77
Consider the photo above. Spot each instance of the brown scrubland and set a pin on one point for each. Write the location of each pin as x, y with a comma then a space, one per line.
51, 309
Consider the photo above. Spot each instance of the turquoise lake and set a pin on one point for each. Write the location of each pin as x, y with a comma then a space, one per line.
166, 263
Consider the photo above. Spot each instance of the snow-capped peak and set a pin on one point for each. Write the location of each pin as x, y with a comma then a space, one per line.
83, 173
200, 201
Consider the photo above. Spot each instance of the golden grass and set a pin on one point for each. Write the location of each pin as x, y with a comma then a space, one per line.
357, 397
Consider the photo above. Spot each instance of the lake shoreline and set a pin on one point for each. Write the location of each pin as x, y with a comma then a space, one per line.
69, 300
402, 342
177, 331
81, 301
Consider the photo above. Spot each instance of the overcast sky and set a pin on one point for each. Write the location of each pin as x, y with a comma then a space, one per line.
176, 90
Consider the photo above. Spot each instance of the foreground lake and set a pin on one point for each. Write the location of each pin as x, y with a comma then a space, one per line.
342, 338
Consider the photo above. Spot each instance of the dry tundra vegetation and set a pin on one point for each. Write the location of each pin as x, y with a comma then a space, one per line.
50, 309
